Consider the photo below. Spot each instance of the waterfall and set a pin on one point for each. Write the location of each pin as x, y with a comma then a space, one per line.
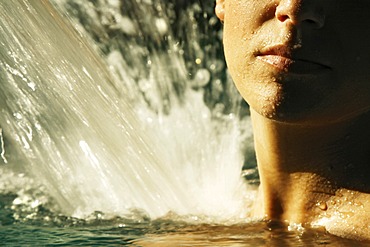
111, 130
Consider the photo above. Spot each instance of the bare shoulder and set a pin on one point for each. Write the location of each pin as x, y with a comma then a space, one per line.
347, 215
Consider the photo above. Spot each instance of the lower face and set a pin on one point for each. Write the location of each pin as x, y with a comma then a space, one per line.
325, 79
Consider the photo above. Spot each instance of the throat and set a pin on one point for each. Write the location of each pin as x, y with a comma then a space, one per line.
302, 168
295, 198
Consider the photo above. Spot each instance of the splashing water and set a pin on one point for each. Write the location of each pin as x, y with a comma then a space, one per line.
112, 135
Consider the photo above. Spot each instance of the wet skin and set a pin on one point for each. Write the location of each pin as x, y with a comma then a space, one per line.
304, 68
295, 60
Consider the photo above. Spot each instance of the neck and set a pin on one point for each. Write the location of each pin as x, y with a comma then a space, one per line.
301, 167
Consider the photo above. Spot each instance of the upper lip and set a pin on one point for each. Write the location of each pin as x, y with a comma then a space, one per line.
291, 53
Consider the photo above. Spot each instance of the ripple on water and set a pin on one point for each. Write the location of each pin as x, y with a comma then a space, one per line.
162, 232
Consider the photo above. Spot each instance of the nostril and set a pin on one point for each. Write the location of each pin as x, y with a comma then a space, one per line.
317, 22
310, 21
283, 14
282, 18
310, 15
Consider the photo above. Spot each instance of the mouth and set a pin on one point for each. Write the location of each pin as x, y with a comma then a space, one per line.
282, 59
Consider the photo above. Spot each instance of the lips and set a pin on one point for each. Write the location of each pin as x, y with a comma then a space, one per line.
282, 59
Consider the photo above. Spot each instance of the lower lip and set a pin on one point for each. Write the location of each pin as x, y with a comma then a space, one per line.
292, 66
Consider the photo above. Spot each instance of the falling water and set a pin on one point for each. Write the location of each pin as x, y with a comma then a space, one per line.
88, 124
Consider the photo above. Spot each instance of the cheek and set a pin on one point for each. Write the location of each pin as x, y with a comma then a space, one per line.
239, 26
235, 48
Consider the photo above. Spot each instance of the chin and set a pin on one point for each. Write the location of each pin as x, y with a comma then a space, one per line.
285, 113
280, 103
302, 117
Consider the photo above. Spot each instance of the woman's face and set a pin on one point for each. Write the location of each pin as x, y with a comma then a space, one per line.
299, 60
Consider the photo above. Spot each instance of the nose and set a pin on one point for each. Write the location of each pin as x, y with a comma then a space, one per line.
301, 12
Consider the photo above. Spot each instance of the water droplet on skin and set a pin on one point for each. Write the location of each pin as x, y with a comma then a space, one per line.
359, 204
322, 205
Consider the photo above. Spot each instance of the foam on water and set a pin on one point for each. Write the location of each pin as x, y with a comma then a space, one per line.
78, 128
